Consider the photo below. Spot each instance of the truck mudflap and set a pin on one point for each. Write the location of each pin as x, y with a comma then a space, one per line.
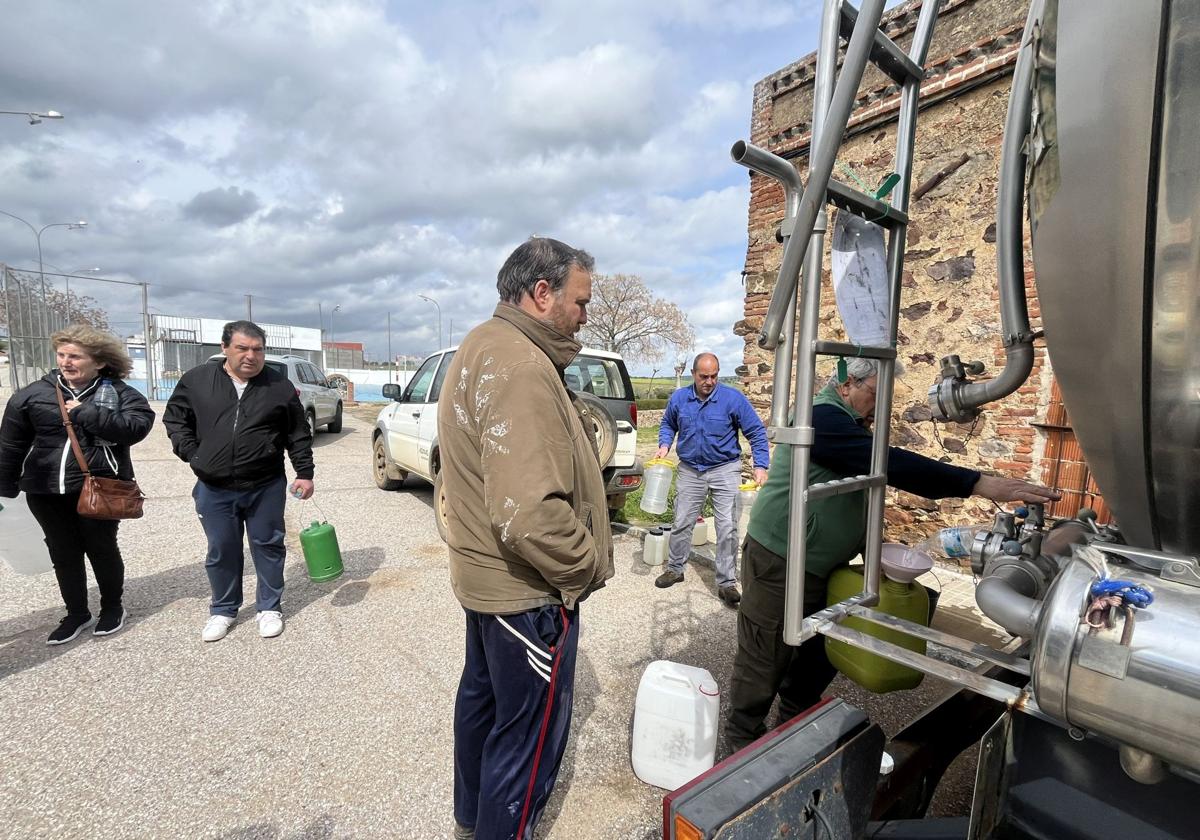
815, 773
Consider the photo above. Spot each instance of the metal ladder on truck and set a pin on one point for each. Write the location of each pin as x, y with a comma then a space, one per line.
803, 229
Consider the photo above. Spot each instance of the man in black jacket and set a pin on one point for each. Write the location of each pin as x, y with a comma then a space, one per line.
231, 421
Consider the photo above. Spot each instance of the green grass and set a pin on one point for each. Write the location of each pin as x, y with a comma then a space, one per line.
647, 434
663, 386
632, 511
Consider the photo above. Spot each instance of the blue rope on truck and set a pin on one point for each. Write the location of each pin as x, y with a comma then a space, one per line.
1133, 594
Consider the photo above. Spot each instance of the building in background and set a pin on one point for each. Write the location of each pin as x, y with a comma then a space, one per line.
949, 283
180, 343
343, 354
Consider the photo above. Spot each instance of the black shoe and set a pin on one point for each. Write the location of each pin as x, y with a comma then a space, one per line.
668, 578
461, 832
68, 629
110, 621
729, 594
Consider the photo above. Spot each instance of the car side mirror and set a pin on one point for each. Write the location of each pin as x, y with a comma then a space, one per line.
392, 391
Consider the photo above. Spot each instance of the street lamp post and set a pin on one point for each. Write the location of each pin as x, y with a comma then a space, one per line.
391, 361
67, 281
37, 233
35, 117
439, 310
332, 338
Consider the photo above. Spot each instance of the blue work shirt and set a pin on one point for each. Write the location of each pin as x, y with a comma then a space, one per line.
708, 429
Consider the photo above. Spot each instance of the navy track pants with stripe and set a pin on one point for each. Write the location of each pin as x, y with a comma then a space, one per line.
512, 717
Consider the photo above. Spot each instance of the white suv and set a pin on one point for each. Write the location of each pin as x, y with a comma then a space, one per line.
405, 438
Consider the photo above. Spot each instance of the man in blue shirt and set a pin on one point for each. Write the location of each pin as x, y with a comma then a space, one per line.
707, 416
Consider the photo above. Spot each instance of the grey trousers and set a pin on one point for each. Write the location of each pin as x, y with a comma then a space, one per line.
691, 489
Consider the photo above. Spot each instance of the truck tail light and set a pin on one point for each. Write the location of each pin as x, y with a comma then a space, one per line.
684, 830
633, 414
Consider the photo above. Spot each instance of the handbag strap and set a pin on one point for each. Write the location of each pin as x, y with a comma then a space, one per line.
75, 447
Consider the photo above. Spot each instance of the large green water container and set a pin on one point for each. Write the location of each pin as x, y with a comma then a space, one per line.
321, 553
909, 601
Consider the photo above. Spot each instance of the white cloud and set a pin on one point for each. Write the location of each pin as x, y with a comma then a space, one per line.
360, 152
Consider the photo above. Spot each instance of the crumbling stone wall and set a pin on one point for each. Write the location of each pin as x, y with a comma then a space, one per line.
949, 301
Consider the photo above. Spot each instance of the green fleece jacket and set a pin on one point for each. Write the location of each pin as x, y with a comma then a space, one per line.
836, 528
527, 513
836, 524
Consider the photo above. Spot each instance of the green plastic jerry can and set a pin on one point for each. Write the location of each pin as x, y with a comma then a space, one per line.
909, 601
321, 553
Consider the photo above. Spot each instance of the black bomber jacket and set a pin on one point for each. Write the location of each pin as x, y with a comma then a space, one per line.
238, 443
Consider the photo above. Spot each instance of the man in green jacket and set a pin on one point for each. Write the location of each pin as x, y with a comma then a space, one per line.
765, 665
528, 535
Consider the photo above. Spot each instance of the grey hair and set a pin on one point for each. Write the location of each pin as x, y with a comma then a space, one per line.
539, 258
705, 355
863, 369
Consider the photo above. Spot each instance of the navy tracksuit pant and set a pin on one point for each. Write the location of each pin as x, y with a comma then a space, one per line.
228, 514
512, 717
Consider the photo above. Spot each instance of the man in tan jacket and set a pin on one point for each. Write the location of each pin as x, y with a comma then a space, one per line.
528, 535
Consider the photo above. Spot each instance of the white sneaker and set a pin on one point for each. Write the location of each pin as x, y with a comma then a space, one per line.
270, 623
216, 627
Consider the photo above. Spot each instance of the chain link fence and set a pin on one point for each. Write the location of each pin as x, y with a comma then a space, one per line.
162, 342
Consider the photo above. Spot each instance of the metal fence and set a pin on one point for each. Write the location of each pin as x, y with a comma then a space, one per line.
37, 304
34, 305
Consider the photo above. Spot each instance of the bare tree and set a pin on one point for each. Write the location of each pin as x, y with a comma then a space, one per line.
78, 309
69, 307
625, 317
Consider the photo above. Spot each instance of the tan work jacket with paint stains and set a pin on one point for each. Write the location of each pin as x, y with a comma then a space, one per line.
528, 518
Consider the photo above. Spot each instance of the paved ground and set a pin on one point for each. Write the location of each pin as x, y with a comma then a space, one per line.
340, 727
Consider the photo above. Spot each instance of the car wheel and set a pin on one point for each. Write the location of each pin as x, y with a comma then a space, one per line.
379, 467
311, 417
439, 507
335, 425
600, 423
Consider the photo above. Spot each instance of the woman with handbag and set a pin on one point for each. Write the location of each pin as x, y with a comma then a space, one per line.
71, 457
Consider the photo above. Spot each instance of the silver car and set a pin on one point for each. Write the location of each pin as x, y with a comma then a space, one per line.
322, 401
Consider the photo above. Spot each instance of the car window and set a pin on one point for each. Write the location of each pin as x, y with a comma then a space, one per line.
418, 387
440, 378
314, 375
602, 377
321, 378
279, 367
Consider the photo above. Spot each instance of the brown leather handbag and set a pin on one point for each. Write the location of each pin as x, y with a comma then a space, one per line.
101, 498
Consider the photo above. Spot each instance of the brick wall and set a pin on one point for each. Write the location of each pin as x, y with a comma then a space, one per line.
949, 303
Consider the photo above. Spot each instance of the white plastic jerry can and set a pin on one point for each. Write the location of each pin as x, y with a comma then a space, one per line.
22, 543
654, 548
674, 724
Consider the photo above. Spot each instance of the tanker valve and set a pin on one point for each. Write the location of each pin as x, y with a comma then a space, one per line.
942, 395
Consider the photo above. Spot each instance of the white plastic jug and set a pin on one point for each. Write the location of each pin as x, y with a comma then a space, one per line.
654, 548
747, 494
700, 532
674, 724
22, 543
657, 475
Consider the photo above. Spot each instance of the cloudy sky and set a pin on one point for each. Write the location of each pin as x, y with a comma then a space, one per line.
360, 153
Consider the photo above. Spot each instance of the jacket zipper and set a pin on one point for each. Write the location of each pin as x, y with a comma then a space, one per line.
237, 414
66, 447
62, 469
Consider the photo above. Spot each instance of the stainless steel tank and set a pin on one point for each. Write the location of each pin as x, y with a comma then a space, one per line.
1144, 692
1115, 213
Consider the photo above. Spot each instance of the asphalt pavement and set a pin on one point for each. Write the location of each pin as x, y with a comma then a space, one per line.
341, 727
